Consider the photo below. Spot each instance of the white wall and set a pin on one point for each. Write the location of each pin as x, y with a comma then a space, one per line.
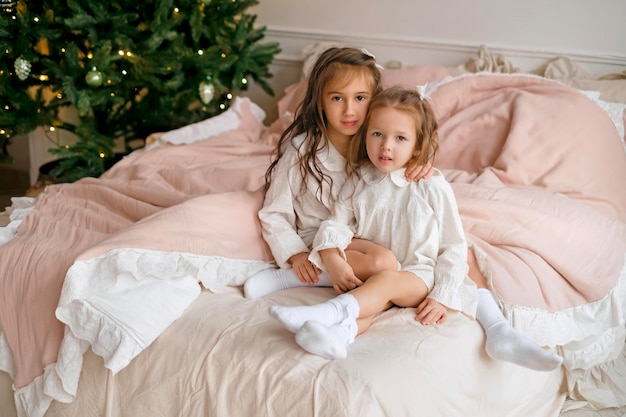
447, 32
593, 26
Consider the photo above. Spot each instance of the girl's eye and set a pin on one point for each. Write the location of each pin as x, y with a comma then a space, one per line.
336, 98
377, 134
361, 98
401, 138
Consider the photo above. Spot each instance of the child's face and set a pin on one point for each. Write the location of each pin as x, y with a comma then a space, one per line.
345, 104
390, 139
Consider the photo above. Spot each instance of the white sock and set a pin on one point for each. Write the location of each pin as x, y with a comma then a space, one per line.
507, 344
339, 310
329, 342
272, 280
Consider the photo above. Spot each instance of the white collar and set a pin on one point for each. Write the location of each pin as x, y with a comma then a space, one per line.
372, 176
330, 157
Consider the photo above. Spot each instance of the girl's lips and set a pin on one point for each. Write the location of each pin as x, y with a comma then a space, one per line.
349, 123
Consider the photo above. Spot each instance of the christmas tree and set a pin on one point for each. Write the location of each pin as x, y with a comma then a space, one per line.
129, 68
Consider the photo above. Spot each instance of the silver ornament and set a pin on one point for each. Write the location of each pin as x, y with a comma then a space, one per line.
206, 91
22, 68
94, 78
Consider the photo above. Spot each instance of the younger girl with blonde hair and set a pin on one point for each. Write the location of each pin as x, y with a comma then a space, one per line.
418, 222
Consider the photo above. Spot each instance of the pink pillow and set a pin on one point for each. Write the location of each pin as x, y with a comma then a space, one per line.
408, 77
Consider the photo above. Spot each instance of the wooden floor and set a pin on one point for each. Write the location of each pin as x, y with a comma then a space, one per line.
13, 183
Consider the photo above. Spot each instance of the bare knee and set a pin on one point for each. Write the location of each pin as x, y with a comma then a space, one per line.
474, 272
369, 259
384, 260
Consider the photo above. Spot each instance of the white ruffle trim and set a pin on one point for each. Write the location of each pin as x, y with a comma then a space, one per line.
6, 358
589, 337
601, 386
586, 335
19, 209
114, 335
58, 382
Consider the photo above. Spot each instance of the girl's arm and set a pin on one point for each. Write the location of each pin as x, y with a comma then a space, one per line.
340, 272
451, 287
332, 239
278, 216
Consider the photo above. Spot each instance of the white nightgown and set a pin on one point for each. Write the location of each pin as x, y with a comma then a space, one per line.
289, 217
418, 221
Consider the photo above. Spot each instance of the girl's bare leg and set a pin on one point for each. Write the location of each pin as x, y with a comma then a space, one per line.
384, 290
503, 341
367, 258
328, 328
377, 294
474, 272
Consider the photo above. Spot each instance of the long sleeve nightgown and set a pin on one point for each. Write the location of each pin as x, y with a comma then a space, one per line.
418, 221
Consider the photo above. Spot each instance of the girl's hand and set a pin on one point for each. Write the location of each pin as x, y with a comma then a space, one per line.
417, 172
304, 269
342, 275
430, 311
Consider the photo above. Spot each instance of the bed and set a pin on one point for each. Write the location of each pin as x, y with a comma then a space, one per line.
123, 295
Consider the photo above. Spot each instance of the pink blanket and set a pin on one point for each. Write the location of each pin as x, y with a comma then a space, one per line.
539, 173
538, 170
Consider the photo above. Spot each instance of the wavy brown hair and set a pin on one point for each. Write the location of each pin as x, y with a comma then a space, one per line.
411, 103
334, 65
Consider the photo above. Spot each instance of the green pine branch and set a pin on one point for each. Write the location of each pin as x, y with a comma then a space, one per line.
129, 69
